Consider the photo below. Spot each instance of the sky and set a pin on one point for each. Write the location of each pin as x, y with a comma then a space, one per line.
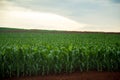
70, 15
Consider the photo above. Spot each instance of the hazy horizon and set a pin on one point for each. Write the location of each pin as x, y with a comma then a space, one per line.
70, 15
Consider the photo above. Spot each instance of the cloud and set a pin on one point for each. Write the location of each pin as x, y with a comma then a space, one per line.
20, 17
93, 12
116, 1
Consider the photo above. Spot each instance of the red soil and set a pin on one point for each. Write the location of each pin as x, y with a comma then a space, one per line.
49, 31
75, 76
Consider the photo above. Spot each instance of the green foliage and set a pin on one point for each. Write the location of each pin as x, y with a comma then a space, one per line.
23, 54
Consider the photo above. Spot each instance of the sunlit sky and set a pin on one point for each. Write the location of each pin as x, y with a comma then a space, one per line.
73, 15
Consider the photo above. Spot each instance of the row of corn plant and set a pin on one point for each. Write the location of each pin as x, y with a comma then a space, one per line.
22, 61
27, 54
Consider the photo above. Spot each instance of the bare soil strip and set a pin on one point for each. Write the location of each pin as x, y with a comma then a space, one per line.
50, 31
91, 75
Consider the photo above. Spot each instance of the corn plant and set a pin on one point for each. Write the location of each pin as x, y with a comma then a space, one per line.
27, 54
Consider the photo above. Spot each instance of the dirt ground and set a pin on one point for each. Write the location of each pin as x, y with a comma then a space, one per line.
92, 75
50, 31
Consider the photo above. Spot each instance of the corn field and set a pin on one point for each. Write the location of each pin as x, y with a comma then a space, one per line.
29, 53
